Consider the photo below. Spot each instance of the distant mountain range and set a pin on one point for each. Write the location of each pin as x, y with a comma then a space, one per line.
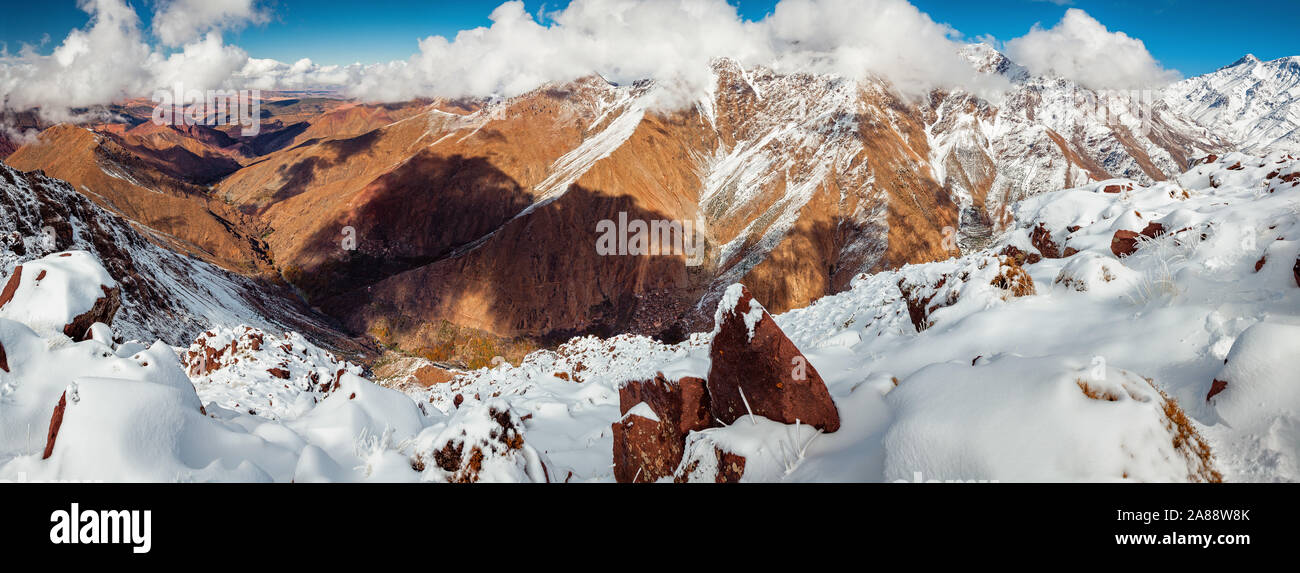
474, 222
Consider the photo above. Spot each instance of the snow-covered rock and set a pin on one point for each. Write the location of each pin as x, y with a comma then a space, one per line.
61, 294
252, 370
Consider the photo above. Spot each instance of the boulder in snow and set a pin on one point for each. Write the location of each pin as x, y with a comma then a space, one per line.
1124, 243
1041, 237
482, 443
1260, 374
657, 415
756, 369
62, 293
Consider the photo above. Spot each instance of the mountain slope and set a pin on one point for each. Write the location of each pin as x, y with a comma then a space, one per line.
165, 295
1254, 104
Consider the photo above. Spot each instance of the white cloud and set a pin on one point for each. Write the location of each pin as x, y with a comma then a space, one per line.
93, 65
177, 22
1082, 49
673, 42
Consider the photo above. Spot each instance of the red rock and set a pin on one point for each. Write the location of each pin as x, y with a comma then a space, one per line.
1020, 256
777, 380
1296, 271
1117, 188
4, 360
103, 311
1215, 388
56, 422
1260, 263
1124, 243
1153, 230
1041, 237
646, 450
278, 373
11, 287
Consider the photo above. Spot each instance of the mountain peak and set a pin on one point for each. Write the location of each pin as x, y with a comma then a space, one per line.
1246, 59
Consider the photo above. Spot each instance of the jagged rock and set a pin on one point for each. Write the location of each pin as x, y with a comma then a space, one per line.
56, 421
4, 359
1296, 271
1117, 188
11, 287
757, 369
1041, 237
657, 414
103, 311
1215, 388
1021, 257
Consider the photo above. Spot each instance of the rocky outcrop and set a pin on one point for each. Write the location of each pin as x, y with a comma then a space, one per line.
63, 293
484, 443
756, 369
4, 358
1041, 237
1296, 271
103, 311
657, 414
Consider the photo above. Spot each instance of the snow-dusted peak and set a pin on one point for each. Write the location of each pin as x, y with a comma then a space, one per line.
987, 59
1253, 103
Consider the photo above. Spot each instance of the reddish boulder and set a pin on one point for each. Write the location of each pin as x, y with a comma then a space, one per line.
1153, 230
1117, 188
1021, 257
1041, 237
757, 369
56, 422
1296, 271
278, 373
1124, 243
11, 287
646, 449
1215, 388
4, 359
104, 309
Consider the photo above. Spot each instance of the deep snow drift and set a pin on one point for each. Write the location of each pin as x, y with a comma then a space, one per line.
1085, 344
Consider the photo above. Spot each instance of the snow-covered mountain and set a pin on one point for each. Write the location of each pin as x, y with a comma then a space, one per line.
1251, 103
1118, 332
165, 295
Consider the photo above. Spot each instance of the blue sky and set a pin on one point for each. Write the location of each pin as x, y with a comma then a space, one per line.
1192, 36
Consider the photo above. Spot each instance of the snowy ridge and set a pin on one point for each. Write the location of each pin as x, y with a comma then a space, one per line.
1254, 104
166, 295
